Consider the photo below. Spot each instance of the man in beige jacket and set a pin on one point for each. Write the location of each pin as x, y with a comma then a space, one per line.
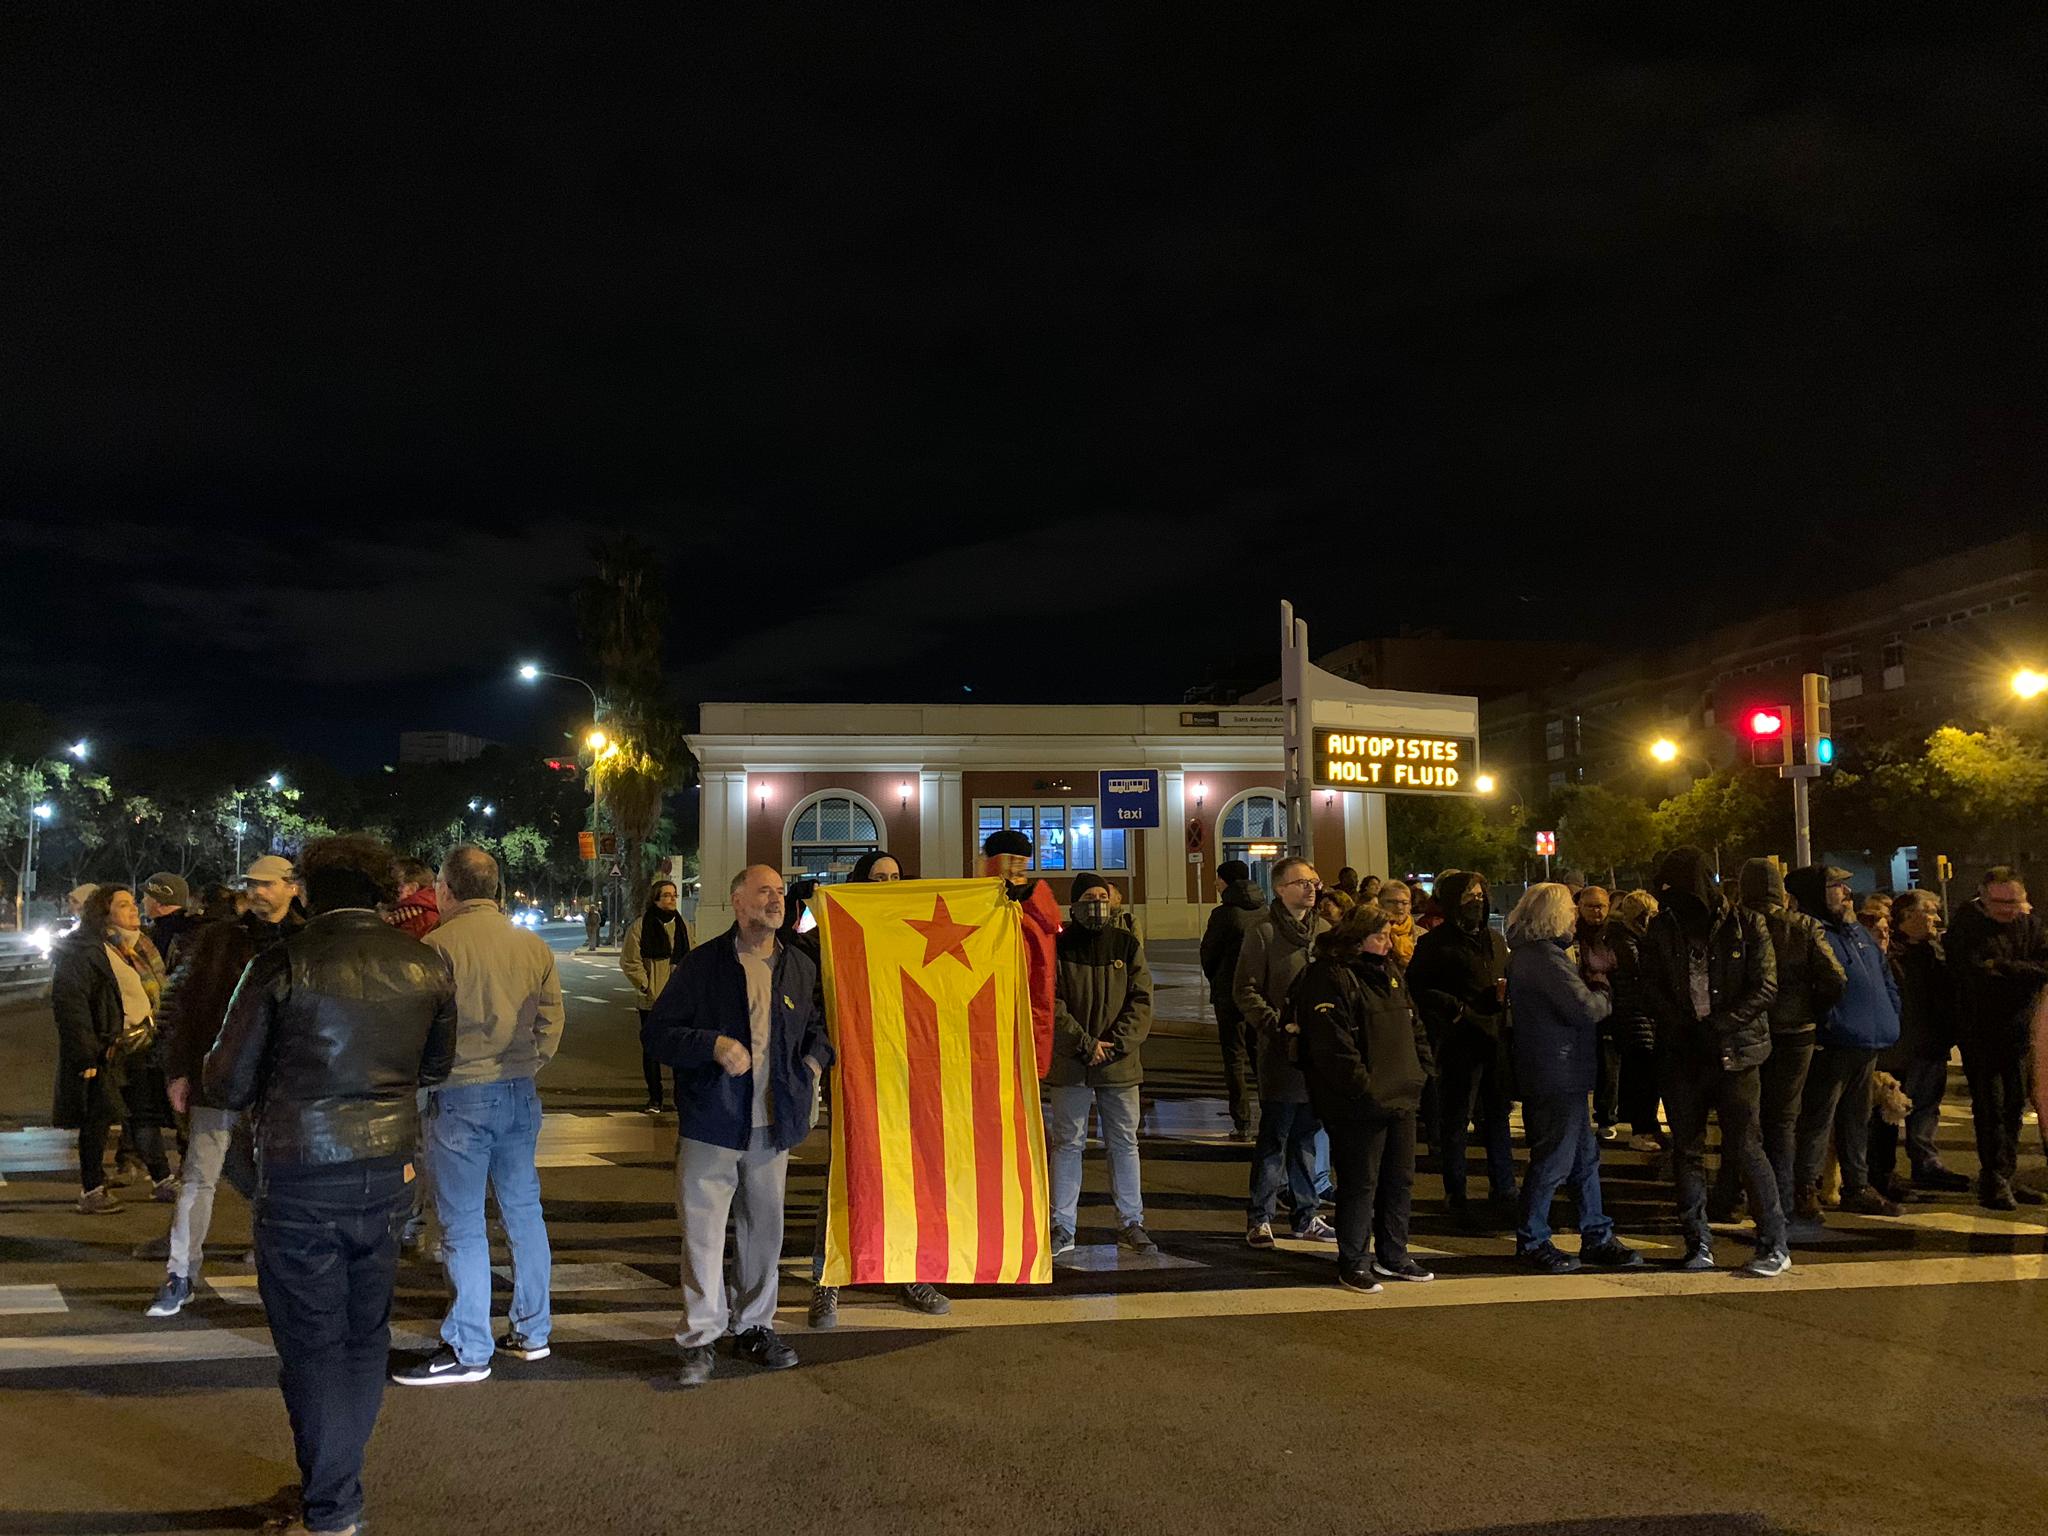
484, 1121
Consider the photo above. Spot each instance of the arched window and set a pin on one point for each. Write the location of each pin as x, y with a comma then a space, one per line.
1254, 828
828, 833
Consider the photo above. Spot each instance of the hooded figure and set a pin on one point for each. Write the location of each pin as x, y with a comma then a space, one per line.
1459, 980
1238, 909
1709, 976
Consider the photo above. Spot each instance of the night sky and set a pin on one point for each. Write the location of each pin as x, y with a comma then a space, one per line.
1037, 350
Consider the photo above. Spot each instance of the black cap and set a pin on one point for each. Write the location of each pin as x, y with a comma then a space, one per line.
1085, 882
1006, 840
1230, 871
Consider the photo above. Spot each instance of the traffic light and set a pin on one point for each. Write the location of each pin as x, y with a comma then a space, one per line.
1768, 727
1817, 727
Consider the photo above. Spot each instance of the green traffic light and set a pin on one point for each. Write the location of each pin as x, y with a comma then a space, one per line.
1824, 751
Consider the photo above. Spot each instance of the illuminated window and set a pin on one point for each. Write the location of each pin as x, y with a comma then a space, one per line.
1253, 828
1063, 834
828, 837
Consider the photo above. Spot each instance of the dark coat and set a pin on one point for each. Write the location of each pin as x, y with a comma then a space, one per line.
172, 930
1363, 1046
330, 1037
1557, 1022
1102, 990
1998, 969
1456, 974
211, 962
86, 1002
1927, 1030
1238, 910
1630, 1022
1810, 977
1742, 972
1273, 955
706, 999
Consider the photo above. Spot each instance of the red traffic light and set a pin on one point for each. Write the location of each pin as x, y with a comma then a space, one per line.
1766, 722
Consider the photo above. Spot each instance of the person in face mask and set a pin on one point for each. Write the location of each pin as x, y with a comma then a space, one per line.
1365, 1056
1559, 1007
1102, 1011
1459, 975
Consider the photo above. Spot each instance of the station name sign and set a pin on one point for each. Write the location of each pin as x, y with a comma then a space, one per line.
1394, 762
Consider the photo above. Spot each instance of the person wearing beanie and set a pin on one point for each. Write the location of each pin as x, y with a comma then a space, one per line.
167, 905
1006, 854
1239, 907
1847, 1041
1102, 1012
1810, 982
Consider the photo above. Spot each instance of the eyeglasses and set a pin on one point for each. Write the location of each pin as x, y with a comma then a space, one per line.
1314, 885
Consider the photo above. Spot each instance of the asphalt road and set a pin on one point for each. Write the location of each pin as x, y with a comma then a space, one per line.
1897, 1380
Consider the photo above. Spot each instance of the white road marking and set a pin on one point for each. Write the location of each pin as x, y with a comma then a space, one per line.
30, 1300
1031, 1310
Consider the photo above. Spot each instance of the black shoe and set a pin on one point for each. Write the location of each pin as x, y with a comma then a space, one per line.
824, 1311
699, 1361
1403, 1268
1997, 1197
920, 1297
1137, 1239
520, 1347
1767, 1264
440, 1369
1547, 1259
1359, 1278
2028, 1196
1699, 1257
1944, 1179
1612, 1254
763, 1348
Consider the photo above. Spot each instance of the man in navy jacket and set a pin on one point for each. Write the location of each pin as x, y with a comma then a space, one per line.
741, 1024
1855, 1030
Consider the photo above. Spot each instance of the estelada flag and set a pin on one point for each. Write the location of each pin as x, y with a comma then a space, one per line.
938, 1144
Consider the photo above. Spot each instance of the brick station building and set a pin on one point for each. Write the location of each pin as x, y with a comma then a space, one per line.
808, 788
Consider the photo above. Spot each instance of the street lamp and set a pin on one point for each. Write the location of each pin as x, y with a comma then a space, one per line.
2029, 684
1484, 784
36, 814
274, 783
1664, 749
529, 673
80, 750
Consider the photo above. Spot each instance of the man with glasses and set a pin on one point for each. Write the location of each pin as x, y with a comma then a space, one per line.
1275, 952
741, 1022
1998, 955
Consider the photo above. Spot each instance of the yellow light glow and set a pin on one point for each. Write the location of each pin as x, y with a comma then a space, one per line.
2029, 684
1484, 783
1664, 749
596, 741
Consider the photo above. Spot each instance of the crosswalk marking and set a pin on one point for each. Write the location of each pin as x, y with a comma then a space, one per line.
30, 1300
1030, 1310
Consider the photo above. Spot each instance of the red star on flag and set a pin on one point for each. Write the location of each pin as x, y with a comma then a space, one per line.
943, 936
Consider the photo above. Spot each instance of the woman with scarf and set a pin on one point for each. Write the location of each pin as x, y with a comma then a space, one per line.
648, 954
101, 997
872, 868
1365, 1057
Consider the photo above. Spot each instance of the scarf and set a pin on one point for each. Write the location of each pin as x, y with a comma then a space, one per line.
655, 940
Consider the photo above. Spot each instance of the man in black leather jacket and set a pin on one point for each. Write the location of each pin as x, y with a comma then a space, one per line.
1709, 975
327, 1041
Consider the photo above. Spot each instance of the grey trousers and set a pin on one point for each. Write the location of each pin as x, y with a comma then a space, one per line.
206, 1153
710, 1183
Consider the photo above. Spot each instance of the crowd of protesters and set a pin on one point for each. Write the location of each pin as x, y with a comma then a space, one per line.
357, 1038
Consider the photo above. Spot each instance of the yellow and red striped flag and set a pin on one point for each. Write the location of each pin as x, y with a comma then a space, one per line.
938, 1143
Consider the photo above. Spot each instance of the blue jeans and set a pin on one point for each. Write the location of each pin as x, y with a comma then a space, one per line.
1067, 1130
1290, 1138
479, 1135
1562, 1150
326, 1261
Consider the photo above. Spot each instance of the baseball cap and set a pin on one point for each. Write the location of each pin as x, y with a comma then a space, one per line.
269, 867
167, 889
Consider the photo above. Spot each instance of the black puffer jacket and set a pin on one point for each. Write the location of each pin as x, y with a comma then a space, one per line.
211, 961
1238, 909
1927, 1027
1810, 978
1741, 969
1998, 969
1631, 1022
329, 1036
1363, 1045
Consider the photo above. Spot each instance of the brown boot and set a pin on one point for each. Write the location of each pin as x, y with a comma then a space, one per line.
1867, 1202
1806, 1203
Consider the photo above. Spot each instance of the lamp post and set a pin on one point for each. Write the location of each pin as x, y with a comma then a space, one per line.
36, 814
596, 741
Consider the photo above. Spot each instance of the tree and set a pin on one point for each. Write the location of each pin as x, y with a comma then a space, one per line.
1433, 832
621, 608
1600, 828
1981, 794
1730, 816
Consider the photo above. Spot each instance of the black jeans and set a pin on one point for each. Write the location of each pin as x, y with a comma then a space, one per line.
1372, 1152
1639, 1088
650, 1069
1239, 1081
1783, 1081
1693, 1087
326, 1261
1472, 1088
1923, 1082
1998, 1096
92, 1138
1607, 1085
1837, 1099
